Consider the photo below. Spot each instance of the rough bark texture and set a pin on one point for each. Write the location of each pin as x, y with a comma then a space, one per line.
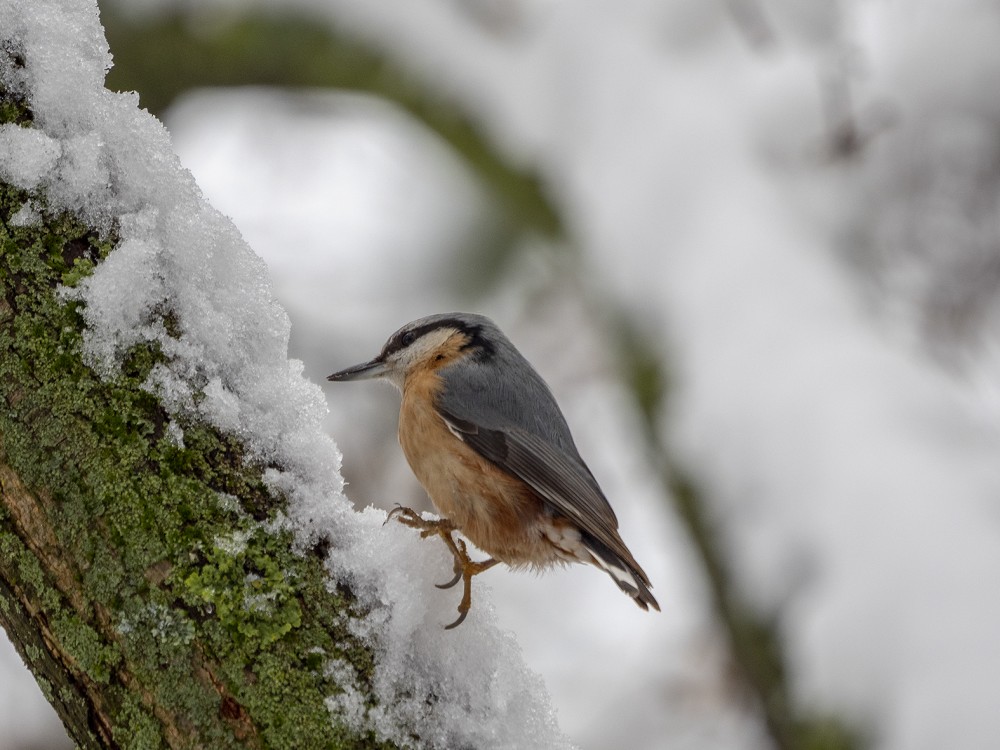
136, 579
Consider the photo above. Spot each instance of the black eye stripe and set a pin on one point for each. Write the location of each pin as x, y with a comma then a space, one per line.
474, 332
402, 340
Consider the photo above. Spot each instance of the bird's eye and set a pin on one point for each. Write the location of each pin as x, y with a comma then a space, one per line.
407, 338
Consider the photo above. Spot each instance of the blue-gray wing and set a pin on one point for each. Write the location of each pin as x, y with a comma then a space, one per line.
569, 490
540, 451
565, 484
517, 424
500, 407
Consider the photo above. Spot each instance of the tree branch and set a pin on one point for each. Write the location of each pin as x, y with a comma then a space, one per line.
138, 577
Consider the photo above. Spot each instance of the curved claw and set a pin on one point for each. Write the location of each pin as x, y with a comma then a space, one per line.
469, 569
452, 582
459, 621
398, 510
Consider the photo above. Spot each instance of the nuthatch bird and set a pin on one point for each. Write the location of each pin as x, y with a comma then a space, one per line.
486, 439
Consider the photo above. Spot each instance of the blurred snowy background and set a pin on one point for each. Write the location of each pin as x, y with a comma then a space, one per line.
754, 247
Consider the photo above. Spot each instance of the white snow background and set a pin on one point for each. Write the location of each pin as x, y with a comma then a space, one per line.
855, 480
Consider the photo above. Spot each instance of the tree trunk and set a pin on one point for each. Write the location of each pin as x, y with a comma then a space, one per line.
138, 578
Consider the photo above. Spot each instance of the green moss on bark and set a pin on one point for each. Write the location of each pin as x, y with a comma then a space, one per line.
171, 616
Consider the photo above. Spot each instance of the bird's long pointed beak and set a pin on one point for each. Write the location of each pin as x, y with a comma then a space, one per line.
375, 368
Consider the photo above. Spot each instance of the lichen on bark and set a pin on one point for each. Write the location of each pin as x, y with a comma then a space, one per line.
139, 578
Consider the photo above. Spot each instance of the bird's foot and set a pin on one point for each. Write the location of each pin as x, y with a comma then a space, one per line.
464, 570
465, 566
410, 517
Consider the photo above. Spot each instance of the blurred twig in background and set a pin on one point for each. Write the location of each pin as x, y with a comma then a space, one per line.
164, 55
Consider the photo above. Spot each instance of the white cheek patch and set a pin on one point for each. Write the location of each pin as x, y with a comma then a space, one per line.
421, 349
396, 378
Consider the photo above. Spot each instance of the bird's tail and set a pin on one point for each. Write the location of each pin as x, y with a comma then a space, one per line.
625, 572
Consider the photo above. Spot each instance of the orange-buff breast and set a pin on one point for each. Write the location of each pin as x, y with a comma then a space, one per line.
500, 514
